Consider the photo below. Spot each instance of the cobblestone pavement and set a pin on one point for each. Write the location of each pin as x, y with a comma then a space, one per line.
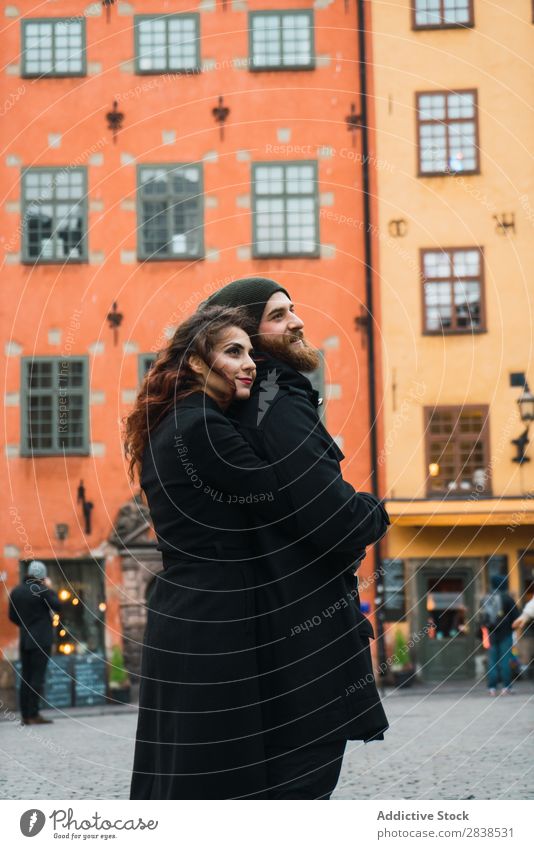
451, 743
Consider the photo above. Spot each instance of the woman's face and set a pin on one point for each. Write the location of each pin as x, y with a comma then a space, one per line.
231, 358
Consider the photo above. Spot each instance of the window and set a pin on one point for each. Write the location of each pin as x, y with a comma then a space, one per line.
144, 362
442, 14
281, 40
452, 290
170, 211
53, 47
54, 219
167, 43
448, 132
457, 441
285, 209
55, 407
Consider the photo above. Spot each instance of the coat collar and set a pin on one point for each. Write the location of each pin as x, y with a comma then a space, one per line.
269, 368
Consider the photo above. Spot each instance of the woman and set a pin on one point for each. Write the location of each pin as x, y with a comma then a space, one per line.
199, 732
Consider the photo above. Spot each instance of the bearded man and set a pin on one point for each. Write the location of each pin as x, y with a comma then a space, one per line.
316, 677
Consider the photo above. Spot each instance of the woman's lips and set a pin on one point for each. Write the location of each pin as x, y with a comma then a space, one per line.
246, 380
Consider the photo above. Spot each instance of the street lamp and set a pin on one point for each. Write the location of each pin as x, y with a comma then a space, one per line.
526, 404
526, 411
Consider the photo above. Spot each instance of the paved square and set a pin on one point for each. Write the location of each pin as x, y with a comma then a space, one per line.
451, 743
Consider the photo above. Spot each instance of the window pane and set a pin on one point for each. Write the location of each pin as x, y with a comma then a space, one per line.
55, 229
55, 404
457, 447
53, 48
171, 212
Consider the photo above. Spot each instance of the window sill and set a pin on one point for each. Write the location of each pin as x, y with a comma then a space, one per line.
78, 261
53, 76
37, 455
423, 27
277, 68
186, 72
468, 332
432, 174
180, 258
315, 255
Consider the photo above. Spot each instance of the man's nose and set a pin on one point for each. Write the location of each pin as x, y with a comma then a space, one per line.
295, 323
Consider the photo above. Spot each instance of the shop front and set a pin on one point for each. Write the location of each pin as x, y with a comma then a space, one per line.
76, 672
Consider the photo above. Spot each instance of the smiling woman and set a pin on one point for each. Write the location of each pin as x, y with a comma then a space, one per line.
199, 732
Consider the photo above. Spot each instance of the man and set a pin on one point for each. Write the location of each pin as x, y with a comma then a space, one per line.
316, 677
30, 606
498, 612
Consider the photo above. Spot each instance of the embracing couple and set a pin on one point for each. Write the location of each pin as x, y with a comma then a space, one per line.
256, 665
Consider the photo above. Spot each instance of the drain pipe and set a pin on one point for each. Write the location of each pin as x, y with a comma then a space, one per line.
368, 319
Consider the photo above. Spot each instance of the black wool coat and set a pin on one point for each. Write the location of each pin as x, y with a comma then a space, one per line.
316, 676
199, 732
30, 606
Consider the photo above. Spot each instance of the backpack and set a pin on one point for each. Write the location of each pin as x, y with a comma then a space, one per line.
492, 609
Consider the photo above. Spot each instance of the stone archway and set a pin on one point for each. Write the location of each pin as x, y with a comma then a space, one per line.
135, 542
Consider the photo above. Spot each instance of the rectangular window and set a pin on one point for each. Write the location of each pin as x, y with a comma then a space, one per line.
167, 43
442, 14
144, 361
281, 40
453, 290
285, 209
457, 441
54, 405
171, 211
53, 47
54, 215
448, 132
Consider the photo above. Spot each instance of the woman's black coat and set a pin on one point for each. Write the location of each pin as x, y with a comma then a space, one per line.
199, 732
316, 676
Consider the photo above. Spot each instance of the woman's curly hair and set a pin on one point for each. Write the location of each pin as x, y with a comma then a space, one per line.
170, 377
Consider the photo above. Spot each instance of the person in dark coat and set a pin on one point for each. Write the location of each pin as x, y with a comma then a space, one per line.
31, 606
316, 677
498, 613
199, 732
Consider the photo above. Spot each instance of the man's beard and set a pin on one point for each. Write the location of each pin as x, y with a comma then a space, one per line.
303, 357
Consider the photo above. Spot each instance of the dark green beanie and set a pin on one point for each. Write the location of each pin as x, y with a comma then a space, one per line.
249, 292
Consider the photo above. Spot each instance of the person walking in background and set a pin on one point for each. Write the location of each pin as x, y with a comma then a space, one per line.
498, 612
31, 605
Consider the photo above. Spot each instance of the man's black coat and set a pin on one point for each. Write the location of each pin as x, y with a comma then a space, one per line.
316, 677
30, 604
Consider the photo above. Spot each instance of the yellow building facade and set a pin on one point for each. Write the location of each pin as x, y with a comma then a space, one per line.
454, 96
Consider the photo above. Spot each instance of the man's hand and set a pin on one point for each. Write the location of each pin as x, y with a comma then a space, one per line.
519, 625
47, 582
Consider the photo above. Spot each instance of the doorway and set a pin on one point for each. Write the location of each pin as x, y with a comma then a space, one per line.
447, 621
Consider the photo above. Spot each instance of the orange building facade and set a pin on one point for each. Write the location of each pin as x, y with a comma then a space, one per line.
154, 152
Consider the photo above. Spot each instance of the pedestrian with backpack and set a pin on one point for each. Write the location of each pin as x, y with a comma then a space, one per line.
498, 612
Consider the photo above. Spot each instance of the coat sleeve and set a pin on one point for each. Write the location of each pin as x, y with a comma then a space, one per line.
327, 511
12, 613
53, 600
215, 451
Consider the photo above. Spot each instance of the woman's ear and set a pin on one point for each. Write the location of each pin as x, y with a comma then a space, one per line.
196, 364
